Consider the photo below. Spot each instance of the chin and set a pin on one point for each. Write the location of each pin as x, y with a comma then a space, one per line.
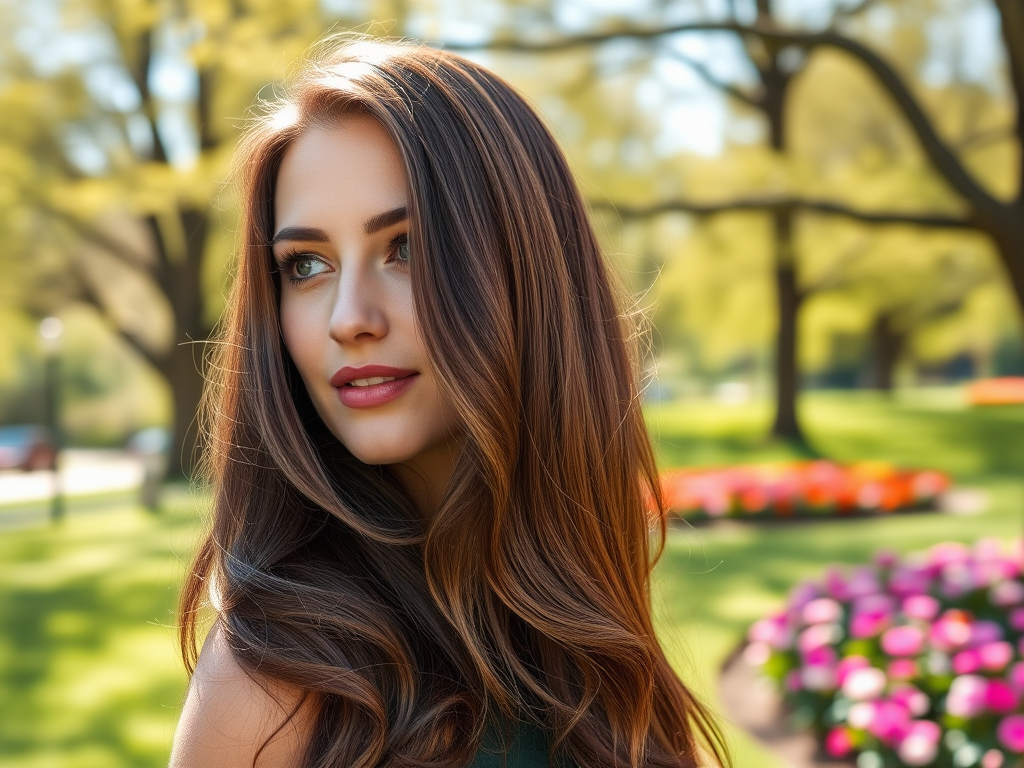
371, 449
378, 454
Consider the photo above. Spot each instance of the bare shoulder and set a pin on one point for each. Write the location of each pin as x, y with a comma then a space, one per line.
229, 715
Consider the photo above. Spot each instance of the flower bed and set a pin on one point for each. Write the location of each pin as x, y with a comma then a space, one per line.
1008, 390
803, 488
907, 663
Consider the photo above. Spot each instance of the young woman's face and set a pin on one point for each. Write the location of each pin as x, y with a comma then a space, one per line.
347, 316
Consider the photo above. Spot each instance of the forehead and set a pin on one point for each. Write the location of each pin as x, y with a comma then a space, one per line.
351, 169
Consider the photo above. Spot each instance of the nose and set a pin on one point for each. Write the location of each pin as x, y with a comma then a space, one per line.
359, 313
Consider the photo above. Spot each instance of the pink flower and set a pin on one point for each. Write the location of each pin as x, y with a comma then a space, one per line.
966, 696
849, 664
1017, 619
966, 662
871, 615
890, 722
1000, 697
824, 656
863, 582
818, 677
995, 656
1010, 733
835, 584
838, 742
924, 607
985, 632
862, 715
816, 636
794, 681
906, 581
1006, 593
992, 759
1016, 677
951, 631
824, 610
948, 552
886, 558
864, 684
920, 743
958, 579
772, 631
903, 641
901, 669
802, 594
912, 698
988, 550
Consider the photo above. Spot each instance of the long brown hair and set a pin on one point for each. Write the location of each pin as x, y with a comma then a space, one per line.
526, 594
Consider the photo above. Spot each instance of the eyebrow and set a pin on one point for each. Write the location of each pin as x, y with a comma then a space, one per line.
385, 220
372, 225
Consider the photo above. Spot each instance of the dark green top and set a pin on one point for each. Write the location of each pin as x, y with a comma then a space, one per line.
528, 748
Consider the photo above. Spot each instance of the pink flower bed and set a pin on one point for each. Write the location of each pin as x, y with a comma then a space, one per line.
801, 488
913, 662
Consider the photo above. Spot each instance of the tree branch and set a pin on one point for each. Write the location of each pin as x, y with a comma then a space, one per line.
794, 204
705, 74
92, 297
1012, 29
981, 138
96, 236
139, 70
940, 155
845, 13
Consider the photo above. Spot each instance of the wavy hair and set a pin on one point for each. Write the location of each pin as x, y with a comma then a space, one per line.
526, 595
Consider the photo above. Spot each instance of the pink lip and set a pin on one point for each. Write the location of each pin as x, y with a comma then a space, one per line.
375, 394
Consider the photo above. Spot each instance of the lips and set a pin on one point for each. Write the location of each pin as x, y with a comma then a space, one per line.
371, 385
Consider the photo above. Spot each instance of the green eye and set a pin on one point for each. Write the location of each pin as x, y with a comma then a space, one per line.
300, 267
306, 267
402, 252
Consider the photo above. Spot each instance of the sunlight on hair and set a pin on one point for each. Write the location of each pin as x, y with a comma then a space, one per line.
284, 117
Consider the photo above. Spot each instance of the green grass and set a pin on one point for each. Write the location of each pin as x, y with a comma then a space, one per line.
90, 675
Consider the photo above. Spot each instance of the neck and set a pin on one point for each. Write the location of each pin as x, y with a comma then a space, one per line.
426, 476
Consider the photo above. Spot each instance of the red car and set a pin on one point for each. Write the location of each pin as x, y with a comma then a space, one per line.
26, 448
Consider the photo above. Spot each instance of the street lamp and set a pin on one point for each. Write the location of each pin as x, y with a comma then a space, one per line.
50, 330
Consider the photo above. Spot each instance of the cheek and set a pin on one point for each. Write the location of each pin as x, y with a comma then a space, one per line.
300, 337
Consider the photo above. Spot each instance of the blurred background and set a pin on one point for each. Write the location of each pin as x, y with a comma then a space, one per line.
817, 204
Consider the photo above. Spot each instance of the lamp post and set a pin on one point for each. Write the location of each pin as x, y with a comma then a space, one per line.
50, 330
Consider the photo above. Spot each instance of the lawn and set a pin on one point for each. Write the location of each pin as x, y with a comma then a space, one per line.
90, 675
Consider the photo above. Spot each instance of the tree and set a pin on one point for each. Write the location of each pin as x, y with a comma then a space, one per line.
778, 52
123, 151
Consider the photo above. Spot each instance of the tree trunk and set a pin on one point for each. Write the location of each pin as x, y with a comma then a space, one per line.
183, 374
184, 365
788, 296
887, 346
787, 369
1009, 241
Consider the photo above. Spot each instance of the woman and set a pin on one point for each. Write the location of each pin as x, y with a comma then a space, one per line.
430, 543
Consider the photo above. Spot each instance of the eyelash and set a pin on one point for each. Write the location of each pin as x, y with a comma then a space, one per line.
287, 261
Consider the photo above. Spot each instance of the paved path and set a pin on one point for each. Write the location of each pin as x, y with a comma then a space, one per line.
751, 702
25, 496
82, 472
